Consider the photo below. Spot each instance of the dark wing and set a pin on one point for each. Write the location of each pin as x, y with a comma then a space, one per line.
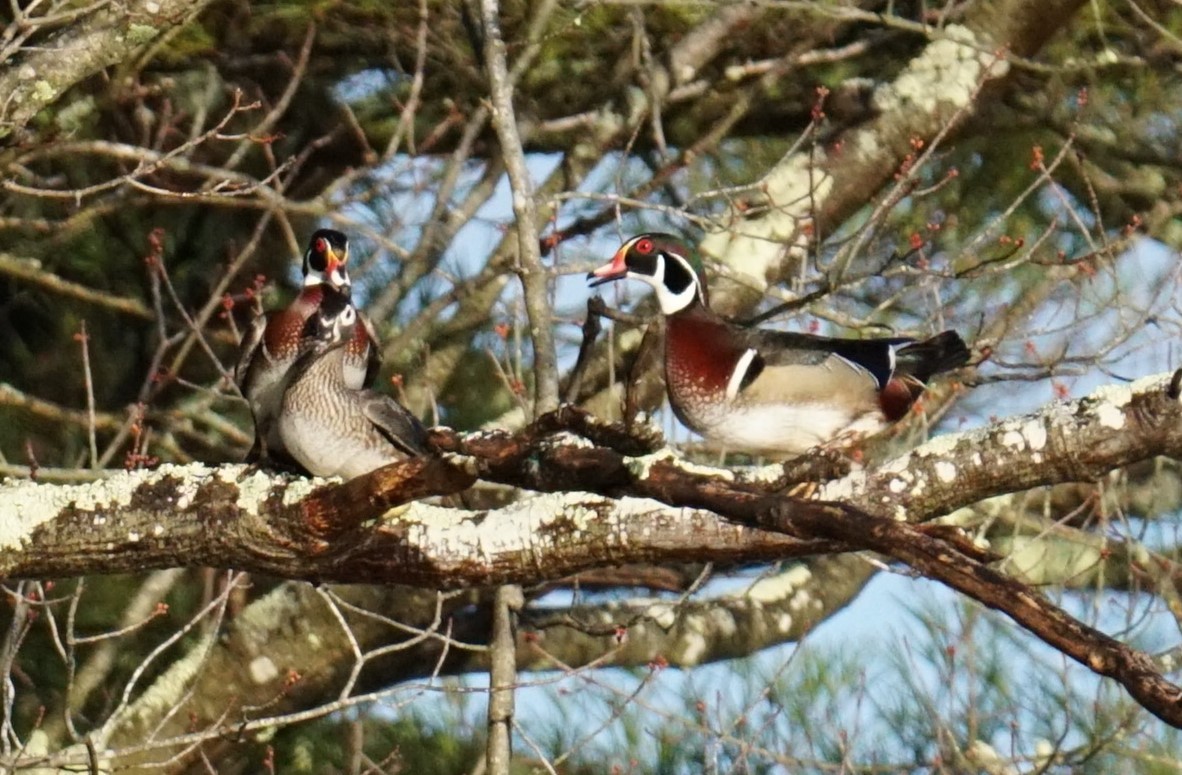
395, 422
373, 360
252, 340
785, 348
923, 360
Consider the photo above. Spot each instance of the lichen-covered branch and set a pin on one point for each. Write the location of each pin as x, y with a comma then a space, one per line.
109, 35
595, 505
779, 608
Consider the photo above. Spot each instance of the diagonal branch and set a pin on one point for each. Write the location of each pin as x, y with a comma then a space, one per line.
1103, 654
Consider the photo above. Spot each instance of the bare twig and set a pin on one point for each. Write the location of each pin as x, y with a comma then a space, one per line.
529, 260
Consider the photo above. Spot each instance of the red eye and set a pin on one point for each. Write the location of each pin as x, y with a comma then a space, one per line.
321, 245
644, 246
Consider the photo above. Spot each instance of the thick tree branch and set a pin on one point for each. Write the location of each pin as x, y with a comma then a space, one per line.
196, 515
111, 34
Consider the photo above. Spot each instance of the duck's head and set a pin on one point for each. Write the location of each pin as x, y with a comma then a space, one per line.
663, 261
325, 259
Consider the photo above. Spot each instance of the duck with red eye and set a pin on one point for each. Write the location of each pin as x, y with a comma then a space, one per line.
275, 339
767, 392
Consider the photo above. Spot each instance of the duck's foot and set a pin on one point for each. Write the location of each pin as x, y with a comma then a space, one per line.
803, 475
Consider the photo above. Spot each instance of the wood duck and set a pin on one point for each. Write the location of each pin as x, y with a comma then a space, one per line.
772, 392
329, 427
275, 339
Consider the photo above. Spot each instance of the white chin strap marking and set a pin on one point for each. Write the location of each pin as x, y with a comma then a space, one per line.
736, 380
669, 301
338, 279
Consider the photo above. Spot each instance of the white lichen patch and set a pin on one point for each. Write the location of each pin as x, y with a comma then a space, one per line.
43, 90
945, 472
664, 615
252, 490
1013, 439
641, 466
773, 589
465, 463
258, 623
848, 487
568, 439
865, 144
1035, 434
900, 466
802, 601
795, 188
691, 648
1115, 395
27, 504
187, 490
262, 670
301, 488
897, 486
114, 491
456, 536
945, 74
1151, 384
761, 474
940, 446
1110, 416
721, 622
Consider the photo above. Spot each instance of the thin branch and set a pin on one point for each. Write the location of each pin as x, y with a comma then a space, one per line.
31, 271
502, 678
529, 259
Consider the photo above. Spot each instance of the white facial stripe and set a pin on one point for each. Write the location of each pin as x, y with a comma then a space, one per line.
339, 278
669, 301
741, 368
